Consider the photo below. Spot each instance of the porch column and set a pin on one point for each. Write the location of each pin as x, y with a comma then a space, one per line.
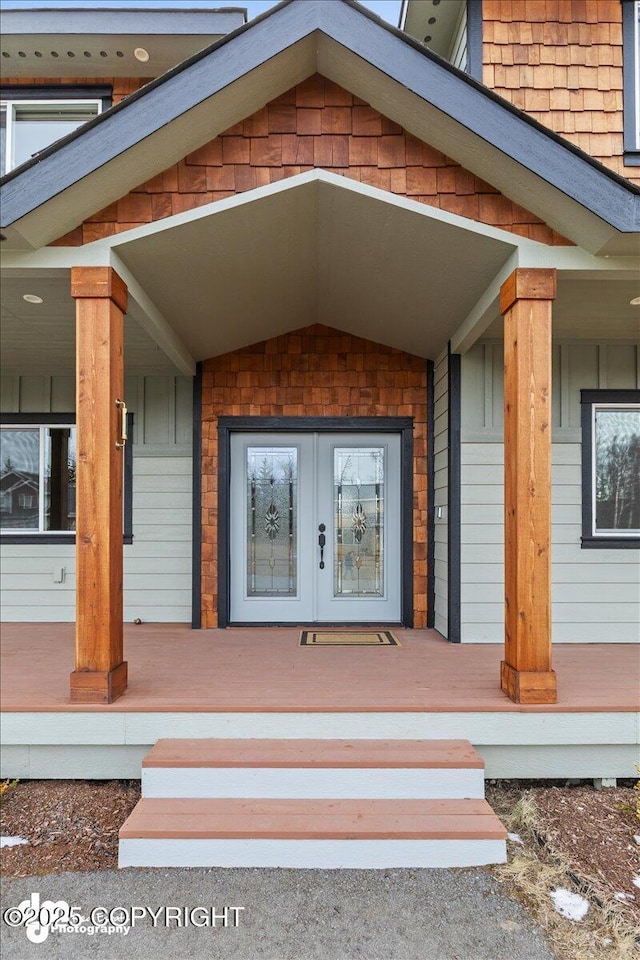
100, 675
525, 302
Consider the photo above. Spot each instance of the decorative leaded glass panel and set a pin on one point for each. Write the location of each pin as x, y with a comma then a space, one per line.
272, 520
358, 482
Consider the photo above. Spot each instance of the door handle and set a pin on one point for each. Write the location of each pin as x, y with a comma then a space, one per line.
321, 543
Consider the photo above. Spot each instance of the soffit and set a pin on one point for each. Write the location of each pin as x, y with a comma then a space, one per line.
316, 252
592, 310
40, 338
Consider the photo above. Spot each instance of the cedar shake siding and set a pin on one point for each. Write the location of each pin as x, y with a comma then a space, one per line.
561, 62
316, 124
316, 371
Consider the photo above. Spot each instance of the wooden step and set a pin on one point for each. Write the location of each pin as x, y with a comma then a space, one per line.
311, 833
376, 769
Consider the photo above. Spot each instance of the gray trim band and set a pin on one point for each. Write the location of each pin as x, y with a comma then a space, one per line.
121, 21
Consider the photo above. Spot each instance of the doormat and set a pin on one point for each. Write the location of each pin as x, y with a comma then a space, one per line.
348, 638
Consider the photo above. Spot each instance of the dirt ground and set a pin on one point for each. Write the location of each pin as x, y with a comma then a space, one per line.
591, 831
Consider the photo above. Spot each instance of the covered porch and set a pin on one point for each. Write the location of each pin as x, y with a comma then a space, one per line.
258, 682
436, 284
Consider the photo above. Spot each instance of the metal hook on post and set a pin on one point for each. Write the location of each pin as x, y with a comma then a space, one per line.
123, 426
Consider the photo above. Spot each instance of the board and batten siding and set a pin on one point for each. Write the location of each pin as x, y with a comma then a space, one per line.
441, 480
595, 593
157, 565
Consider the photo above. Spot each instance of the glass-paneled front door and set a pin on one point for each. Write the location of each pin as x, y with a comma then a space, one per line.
315, 528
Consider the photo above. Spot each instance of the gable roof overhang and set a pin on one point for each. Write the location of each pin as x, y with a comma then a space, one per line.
314, 248
99, 42
224, 84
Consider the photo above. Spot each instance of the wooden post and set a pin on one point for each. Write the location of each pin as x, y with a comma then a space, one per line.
100, 675
525, 302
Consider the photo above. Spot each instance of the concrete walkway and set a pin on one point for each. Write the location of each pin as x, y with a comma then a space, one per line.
286, 915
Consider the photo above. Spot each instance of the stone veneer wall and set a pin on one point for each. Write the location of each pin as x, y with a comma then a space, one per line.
316, 371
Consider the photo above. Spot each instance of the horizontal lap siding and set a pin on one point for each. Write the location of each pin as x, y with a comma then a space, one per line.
595, 592
157, 565
441, 473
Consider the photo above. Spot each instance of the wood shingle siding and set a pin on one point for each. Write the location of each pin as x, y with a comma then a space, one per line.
316, 124
561, 62
318, 372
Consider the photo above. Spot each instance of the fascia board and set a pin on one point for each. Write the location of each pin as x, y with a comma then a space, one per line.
497, 123
45, 21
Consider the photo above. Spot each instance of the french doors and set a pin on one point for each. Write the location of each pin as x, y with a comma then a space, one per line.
315, 528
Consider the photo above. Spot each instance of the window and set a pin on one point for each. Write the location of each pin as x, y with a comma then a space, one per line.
611, 468
32, 118
38, 479
631, 80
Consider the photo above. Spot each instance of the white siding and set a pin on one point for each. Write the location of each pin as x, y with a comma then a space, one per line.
596, 593
157, 565
441, 473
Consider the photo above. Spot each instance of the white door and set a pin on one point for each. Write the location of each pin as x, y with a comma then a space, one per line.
315, 528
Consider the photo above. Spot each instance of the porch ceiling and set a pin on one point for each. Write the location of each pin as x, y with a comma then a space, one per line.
316, 253
39, 339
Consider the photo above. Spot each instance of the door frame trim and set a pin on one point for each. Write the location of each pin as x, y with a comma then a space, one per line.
229, 425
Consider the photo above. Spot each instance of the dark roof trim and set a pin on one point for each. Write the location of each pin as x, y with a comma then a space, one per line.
474, 39
122, 21
630, 64
553, 159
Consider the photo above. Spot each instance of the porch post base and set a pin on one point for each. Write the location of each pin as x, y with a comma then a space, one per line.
527, 686
98, 686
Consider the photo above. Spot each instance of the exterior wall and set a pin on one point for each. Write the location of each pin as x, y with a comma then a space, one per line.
441, 491
316, 124
315, 371
158, 562
561, 62
595, 592
121, 86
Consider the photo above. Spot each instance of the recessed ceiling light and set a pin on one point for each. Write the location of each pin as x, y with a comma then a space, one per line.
32, 298
141, 54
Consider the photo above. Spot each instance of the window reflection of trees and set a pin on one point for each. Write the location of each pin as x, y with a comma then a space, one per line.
617, 473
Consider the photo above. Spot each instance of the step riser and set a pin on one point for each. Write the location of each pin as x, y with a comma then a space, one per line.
290, 783
311, 854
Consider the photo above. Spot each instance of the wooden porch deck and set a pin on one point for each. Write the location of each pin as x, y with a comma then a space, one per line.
175, 669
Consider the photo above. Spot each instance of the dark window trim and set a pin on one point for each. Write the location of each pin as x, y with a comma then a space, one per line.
229, 425
587, 400
44, 419
474, 39
65, 91
629, 65
431, 476
454, 500
196, 562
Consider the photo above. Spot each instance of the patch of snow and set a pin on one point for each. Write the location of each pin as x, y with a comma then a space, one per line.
637, 838
12, 841
515, 838
636, 881
619, 896
570, 905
